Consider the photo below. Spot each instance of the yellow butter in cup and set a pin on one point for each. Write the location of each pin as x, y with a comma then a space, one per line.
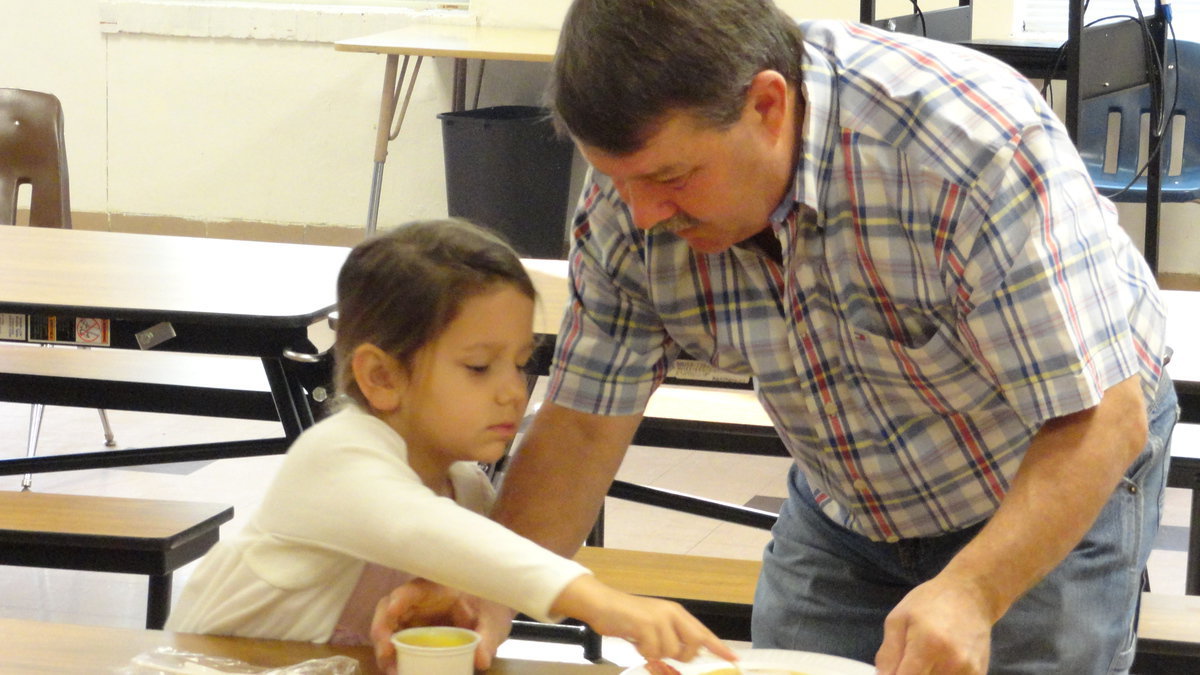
437, 637
435, 650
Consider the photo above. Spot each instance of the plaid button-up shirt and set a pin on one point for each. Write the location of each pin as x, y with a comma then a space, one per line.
949, 281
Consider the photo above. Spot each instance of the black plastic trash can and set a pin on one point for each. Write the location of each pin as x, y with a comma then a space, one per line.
506, 169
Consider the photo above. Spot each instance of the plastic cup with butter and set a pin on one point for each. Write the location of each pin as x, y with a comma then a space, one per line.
435, 650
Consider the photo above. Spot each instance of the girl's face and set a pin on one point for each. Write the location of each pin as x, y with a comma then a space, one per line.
468, 390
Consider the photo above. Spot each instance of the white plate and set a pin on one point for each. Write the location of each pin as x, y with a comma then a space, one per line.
804, 663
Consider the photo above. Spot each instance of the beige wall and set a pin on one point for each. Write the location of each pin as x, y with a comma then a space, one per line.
268, 138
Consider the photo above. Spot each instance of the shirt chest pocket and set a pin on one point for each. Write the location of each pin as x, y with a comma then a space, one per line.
930, 372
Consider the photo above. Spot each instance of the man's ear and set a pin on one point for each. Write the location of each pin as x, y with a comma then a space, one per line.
768, 98
380, 377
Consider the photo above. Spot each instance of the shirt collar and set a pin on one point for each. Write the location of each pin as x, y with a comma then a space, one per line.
815, 129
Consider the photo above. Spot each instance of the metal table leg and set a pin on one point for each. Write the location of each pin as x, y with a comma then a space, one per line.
158, 601
386, 131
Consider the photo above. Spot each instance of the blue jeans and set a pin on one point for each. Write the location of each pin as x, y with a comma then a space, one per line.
826, 589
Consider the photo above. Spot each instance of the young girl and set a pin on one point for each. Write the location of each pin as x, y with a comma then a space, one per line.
434, 330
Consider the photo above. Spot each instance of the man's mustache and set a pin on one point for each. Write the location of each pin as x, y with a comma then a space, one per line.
677, 222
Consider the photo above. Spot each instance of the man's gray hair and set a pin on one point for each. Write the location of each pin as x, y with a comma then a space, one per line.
623, 64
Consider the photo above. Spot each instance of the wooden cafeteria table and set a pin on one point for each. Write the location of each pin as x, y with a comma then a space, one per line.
1183, 335
1183, 329
457, 42
109, 534
146, 295
248, 302
36, 647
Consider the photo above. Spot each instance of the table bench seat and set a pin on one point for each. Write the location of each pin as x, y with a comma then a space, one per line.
720, 592
146, 381
109, 534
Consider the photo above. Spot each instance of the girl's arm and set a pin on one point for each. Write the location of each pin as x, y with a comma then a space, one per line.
658, 628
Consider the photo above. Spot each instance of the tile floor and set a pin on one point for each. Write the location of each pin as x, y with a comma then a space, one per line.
118, 600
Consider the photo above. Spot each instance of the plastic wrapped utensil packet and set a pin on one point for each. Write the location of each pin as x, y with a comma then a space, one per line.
170, 661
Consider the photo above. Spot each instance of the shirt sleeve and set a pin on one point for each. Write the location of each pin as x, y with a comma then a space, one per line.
1056, 303
347, 489
612, 349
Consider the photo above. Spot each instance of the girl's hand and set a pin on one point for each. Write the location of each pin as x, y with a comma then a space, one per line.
424, 603
658, 628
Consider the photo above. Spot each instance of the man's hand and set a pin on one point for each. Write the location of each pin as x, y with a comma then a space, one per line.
939, 627
1067, 475
424, 603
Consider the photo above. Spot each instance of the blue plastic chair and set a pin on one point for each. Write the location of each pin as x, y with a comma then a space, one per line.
1129, 109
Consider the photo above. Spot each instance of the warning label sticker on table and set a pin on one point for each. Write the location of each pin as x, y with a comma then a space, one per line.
12, 327
68, 330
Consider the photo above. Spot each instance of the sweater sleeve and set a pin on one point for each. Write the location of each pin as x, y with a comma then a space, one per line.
346, 488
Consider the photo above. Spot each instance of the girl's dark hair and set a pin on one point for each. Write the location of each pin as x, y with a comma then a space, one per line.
624, 64
400, 289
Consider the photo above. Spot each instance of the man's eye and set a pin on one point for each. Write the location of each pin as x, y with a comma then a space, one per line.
677, 181
477, 369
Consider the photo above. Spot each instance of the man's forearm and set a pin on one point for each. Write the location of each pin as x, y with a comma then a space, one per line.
1066, 478
556, 483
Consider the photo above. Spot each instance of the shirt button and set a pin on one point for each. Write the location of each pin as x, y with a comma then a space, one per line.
860, 485
831, 408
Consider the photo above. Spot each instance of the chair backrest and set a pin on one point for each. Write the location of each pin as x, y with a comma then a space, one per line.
32, 152
1127, 113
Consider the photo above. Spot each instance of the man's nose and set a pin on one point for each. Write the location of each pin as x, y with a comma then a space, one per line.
649, 205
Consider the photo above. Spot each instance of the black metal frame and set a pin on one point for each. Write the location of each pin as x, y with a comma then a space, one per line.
288, 402
952, 24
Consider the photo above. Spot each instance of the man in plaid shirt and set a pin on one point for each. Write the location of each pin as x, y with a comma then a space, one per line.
955, 340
